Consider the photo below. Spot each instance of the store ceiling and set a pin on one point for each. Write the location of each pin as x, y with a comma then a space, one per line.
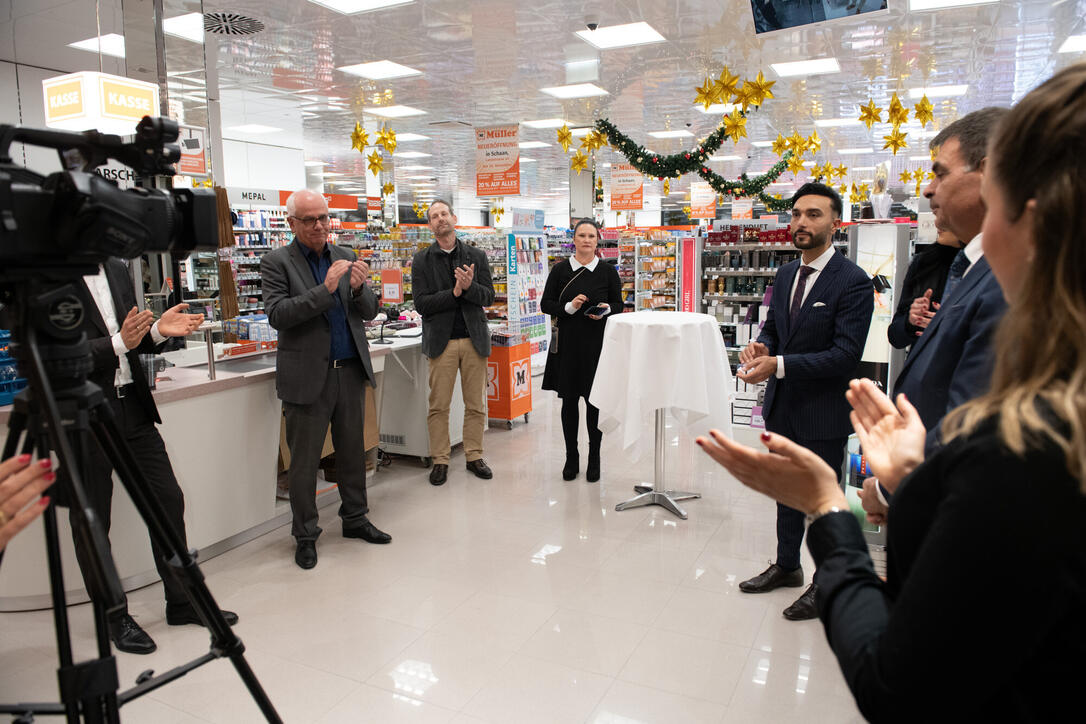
484, 62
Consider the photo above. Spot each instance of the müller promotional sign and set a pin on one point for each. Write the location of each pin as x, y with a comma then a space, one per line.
90, 100
497, 161
627, 188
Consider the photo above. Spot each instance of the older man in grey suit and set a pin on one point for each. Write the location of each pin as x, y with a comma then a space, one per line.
317, 298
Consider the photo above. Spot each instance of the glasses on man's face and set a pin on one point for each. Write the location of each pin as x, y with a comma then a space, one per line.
310, 221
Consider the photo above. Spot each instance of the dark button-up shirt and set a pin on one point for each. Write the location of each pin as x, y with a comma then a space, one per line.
342, 344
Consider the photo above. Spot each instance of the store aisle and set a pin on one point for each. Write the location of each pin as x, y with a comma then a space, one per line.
520, 599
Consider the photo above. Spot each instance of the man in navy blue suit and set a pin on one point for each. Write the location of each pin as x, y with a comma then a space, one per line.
809, 348
951, 362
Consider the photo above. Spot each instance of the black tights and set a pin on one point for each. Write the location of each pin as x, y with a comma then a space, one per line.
571, 421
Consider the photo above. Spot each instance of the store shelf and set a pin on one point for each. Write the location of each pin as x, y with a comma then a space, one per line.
739, 273
733, 297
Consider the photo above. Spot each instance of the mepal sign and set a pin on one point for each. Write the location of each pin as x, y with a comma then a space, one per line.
91, 100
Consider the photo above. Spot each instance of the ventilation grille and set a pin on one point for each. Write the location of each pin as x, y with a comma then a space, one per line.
231, 24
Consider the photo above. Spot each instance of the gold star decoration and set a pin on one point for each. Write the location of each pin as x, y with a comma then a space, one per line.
375, 163
359, 138
842, 189
705, 94
565, 138
579, 162
841, 171
726, 85
862, 191
827, 171
497, 212
906, 176
797, 144
387, 137
735, 126
388, 189
870, 114
667, 186
761, 88
814, 143
743, 97
687, 210
780, 145
895, 141
795, 163
593, 140
920, 174
897, 113
922, 112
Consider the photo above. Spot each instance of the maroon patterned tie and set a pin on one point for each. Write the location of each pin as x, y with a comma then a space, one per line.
797, 298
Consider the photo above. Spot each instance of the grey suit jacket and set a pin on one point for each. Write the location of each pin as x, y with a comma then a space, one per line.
432, 290
295, 304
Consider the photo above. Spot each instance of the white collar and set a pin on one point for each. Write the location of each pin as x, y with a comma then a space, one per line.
591, 266
823, 259
974, 250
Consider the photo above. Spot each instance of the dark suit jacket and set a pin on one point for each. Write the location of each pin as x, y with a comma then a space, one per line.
951, 363
105, 359
432, 288
821, 352
295, 303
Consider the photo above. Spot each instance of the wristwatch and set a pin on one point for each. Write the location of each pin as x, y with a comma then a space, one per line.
815, 516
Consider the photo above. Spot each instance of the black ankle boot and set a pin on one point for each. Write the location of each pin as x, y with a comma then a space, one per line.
572, 466
592, 472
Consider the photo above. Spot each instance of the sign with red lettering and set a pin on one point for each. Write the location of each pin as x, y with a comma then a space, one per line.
687, 285
627, 188
391, 286
702, 201
193, 142
497, 160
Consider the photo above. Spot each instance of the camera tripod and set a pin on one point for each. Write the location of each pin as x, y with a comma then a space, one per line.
61, 412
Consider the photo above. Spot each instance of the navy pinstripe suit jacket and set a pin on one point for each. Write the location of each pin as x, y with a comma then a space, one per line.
821, 351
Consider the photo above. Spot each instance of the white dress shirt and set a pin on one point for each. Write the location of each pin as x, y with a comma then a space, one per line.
590, 266
818, 265
98, 285
974, 250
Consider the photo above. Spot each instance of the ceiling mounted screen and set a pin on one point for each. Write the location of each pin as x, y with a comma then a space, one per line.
772, 15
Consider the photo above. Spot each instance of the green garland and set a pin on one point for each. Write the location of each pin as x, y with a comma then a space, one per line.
694, 160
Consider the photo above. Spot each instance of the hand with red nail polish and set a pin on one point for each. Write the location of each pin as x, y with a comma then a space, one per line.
892, 437
20, 485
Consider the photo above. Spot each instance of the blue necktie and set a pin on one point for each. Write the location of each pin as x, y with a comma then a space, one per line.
957, 271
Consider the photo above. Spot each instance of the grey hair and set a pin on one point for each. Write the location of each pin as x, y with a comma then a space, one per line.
972, 131
438, 201
292, 200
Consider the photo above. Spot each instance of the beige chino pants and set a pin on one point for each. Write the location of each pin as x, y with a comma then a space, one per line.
459, 356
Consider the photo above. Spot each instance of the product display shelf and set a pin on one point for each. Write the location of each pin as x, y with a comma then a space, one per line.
627, 272
656, 281
497, 256
527, 270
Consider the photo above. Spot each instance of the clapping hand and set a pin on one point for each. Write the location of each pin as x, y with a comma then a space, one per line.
335, 272
176, 323
892, 437
135, 325
869, 500
788, 473
921, 312
751, 351
464, 276
360, 271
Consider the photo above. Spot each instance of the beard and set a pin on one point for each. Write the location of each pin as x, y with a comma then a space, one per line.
810, 241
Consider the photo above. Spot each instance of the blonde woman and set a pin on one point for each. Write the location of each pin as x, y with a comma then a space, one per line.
981, 614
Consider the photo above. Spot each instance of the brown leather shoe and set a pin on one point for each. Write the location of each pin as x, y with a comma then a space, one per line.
439, 474
771, 579
805, 607
479, 467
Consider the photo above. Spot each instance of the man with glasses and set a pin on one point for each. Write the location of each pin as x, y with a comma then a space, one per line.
316, 296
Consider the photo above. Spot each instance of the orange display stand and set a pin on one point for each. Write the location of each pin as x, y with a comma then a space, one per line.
509, 382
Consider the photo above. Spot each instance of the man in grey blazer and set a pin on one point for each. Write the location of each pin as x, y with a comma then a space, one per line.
316, 296
452, 284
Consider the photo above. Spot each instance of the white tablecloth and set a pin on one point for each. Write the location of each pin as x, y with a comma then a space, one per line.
673, 360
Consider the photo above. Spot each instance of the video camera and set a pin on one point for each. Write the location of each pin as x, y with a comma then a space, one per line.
74, 219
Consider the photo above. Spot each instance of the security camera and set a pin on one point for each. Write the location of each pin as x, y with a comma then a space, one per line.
591, 22
688, 124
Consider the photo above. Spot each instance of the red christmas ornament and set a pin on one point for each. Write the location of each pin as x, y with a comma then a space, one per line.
655, 159
704, 169
687, 155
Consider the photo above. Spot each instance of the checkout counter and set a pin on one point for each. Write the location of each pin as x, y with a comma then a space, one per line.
223, 437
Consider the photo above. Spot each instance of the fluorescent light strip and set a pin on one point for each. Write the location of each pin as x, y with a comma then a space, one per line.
579, 132
724, 158
315, 163
393, 111
671, 134
380, 70
821, 66
855, 151
412, 154
350, 7
621, 36
545, 123
920, 5
112, 44
1073, 44
920, 158
720, 108
533, 144
576, 90
939, 91
189, 26
837, 122
412, 168
525, 159
408, 137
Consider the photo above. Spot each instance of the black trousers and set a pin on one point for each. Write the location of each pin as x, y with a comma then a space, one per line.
571, 420
791, 523
140, 433
341, 404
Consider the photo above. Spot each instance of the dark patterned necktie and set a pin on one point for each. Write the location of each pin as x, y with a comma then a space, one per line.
797, 298
957, 270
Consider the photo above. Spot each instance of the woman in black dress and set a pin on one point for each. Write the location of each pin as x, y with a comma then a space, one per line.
922, 289
982, 607
576, 285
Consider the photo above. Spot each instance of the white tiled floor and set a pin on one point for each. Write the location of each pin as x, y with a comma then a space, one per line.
520, 599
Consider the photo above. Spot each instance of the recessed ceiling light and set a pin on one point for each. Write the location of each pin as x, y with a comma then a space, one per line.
1073, 44
393, 111
350, 7
408, 137
863, 168
412, 154
329, 174
835, 122
821, 66
315, 163
717, 108
940, 4
579, 132
681, 133
761, 144
783, 183
724, 158
919, 158
112, 44
939, 91
525, 159
254, 128
189, 26
545, 123
533, 144
411, 168
854, 151
577, 90
380, 70
620, 36
607, 165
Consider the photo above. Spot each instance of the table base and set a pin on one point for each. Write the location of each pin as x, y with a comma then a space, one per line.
664, 498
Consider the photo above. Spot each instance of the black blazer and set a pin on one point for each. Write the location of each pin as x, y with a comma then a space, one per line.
927, 270
432, 287
821, 352
980, 617
105, 360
